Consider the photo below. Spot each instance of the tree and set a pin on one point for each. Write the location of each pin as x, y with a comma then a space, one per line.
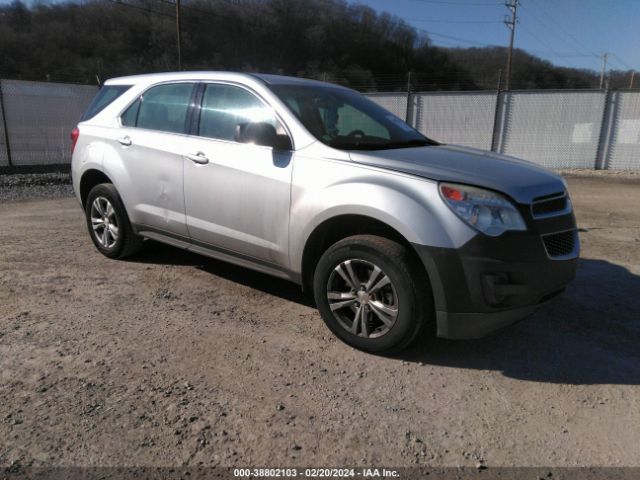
330, 40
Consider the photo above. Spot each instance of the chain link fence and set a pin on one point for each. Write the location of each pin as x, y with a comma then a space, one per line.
557, 129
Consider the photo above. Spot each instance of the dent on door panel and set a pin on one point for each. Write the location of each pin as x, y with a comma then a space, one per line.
154, 164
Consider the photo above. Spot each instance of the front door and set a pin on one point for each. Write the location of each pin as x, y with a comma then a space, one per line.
237, 195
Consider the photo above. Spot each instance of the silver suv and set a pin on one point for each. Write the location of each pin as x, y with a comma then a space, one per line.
395, 233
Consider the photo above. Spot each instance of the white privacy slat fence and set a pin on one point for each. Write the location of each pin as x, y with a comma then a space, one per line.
38, 117
557, 129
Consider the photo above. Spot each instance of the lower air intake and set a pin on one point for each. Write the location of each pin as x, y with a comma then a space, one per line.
560, 244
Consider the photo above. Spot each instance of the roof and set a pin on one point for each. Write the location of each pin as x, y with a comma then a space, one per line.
285, 80
167, 76
215, 75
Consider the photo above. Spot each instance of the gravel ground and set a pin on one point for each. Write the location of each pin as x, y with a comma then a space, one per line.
588, 172
171, 359
21, 186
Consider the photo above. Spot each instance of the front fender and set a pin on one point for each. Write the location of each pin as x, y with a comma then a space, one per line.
410, 205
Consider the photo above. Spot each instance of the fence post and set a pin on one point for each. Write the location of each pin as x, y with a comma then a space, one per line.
496, 113
407, 117
609, 114
494, 138
499, 121
416, 110
4, 127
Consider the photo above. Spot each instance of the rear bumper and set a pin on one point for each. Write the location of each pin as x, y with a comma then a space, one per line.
490, 283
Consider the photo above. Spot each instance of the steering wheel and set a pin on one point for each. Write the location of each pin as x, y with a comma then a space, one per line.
356, 133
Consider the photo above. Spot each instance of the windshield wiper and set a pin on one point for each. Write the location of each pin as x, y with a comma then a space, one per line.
416, 142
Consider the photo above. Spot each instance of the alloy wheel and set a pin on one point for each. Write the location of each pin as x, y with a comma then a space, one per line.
362, 298
104, 222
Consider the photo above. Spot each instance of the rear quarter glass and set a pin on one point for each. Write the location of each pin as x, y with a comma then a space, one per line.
104, 97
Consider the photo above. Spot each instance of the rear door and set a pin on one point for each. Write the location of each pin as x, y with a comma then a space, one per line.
237, 195
152, 142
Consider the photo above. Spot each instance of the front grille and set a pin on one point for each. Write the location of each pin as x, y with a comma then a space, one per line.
546, 206
560, 244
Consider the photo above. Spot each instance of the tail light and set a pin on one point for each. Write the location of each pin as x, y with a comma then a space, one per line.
75, 133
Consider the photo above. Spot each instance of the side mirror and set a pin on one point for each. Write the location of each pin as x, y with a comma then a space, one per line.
261, 133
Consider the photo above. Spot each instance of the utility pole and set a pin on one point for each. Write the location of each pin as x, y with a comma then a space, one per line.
179, 34
633, 74
604, 69
511, 24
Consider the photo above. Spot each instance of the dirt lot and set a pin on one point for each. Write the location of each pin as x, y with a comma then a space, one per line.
173, 359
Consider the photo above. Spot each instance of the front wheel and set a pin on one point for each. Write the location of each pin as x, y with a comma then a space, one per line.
109, 224
372, 294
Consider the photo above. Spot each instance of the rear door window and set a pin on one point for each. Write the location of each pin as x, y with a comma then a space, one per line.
104, 97
162, 108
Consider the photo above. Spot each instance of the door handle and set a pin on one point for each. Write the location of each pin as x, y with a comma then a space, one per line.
199, 157
126, 141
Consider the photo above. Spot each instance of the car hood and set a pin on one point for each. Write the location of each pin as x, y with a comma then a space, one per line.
521, 180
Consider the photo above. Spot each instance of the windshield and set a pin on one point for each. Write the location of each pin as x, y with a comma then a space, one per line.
346, 120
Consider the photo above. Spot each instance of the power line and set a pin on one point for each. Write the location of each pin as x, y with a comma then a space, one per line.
212, 14
457, 21
571, 37
622, 62
451, 37
577, 43
554, 33
444, 2
142, 9
542, 42
446, 44
569, 54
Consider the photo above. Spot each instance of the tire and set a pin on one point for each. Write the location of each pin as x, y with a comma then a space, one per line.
104, 211
397, 304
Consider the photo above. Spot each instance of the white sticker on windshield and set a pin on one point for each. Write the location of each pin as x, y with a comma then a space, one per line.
399, 123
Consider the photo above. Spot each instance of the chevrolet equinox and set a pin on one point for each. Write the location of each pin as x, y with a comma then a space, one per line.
394, 233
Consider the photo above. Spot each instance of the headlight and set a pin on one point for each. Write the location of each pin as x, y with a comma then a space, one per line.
486, 211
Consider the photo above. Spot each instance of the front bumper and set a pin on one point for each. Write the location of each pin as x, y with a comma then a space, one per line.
460, 326
490, 283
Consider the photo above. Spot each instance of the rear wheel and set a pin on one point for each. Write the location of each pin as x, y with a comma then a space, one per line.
108, 223
372, 294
